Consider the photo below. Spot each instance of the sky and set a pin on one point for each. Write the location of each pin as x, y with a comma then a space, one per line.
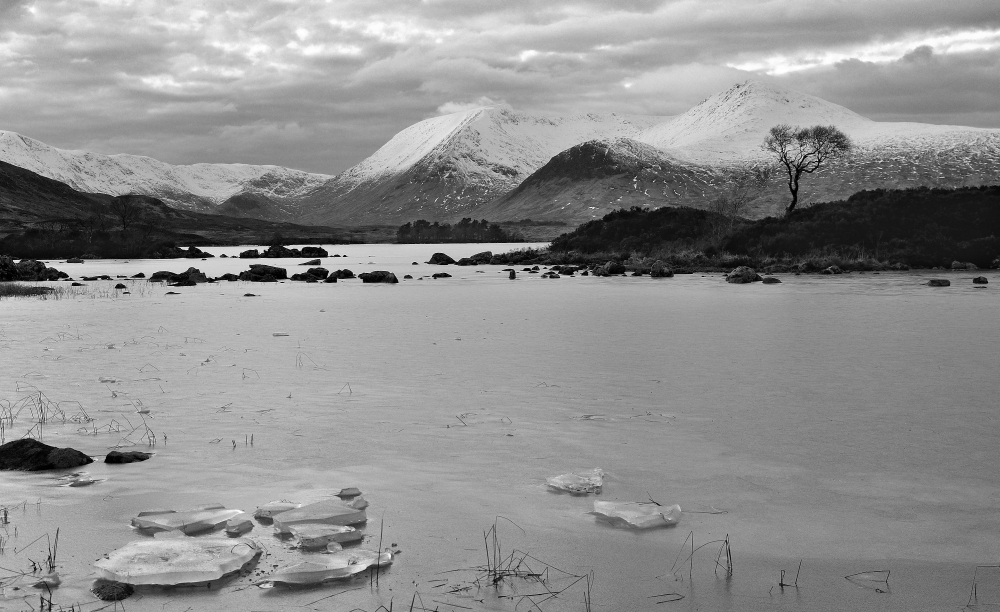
319, 85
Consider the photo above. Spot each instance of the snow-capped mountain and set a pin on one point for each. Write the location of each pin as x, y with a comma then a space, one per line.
591, 179
731, 126
447, 167
199, 187
500, 164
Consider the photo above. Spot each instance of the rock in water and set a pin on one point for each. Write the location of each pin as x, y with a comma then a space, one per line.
742, 275
939, 282
378, 276
440, 259
171, 562
660, 270
31, 455
513, 275
980, 280
126, 457
770, 280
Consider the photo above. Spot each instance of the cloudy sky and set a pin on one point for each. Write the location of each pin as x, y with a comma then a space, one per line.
320, 84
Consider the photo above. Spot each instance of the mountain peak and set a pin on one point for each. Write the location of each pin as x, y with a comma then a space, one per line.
735, 121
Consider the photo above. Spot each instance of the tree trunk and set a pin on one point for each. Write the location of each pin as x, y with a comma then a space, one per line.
793, 186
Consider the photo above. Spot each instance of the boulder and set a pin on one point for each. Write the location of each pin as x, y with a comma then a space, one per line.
161, 275
600, 271
312, 275
330, 279
229, 277
311, 262
476, 260
770, 280
833, 270
31, 455
139, 275
27, 270
939, 282
120, 286
126, 457
345, 273
378, 276
250, 254
407, 277
614, 267
276, 251
512, 275
440, 259
74, 260
742, 275
314, 251
959, 265
660, 270
196, 253
261, 273
980, 280
441, 275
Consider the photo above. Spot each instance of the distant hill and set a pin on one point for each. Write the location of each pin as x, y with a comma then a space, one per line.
33, 203
197, 187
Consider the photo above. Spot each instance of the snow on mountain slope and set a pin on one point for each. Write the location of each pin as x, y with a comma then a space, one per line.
196, 186
732, 124
446, 167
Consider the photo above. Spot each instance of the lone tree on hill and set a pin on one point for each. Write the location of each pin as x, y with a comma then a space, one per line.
804, 151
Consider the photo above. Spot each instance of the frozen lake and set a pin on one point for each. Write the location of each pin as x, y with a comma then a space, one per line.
848, 422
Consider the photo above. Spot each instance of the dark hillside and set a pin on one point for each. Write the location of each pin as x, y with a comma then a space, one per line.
921, 227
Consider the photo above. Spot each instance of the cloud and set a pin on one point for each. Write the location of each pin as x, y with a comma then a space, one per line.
208, 80
460, 107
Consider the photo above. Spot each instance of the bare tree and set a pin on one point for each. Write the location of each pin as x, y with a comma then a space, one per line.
127, 209
804, 151
744, 184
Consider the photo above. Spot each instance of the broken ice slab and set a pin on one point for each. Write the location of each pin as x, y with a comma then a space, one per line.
317, 535
239, 524
640, 515
170, 562
188, 522
341, 564
327, 512
269, 509
579, 483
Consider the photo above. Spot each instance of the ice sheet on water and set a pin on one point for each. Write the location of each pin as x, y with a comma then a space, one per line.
269, 509
318, 535
579, 483
640, 515
189, 521
341, 564
327, 512
170, 562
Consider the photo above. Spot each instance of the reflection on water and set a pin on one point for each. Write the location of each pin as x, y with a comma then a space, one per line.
848, 422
